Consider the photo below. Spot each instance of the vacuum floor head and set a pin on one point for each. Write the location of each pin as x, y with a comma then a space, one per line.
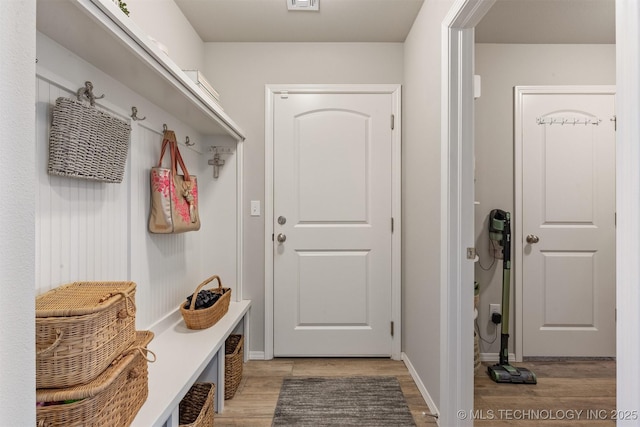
510, 374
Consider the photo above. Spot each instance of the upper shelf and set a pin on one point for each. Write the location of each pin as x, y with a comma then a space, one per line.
101, 34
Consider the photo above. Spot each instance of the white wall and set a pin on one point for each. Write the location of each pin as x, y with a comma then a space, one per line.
17, 215
239, 71
421, 195
501, 67
163, 20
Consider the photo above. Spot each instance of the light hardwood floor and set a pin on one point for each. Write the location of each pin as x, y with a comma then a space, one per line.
567, 386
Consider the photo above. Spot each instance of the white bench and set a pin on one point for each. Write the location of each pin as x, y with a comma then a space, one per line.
185, 356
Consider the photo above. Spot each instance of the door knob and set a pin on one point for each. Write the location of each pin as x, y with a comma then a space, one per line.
281, 238
532, 238
282, 220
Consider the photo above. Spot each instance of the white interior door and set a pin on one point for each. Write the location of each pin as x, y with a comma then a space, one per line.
567, 232
332, 224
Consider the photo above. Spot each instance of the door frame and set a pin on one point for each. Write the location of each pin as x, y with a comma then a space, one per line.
519, 92
271, 91
457, 208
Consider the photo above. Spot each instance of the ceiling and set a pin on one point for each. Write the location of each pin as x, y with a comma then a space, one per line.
508, 21
548, 21
270, 21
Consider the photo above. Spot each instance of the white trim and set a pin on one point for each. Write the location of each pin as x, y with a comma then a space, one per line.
268, 222
495, 357
433, 408
240, 222
628, 206
456, 272
396, 261
256, 355
518, 94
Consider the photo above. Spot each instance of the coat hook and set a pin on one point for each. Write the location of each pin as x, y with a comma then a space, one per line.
87, 91
134, 114
164, 127
188, 143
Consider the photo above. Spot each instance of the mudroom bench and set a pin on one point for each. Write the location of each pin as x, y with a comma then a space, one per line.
186, 356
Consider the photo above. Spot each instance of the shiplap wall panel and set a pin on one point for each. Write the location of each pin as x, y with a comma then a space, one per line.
98, 231
82, 224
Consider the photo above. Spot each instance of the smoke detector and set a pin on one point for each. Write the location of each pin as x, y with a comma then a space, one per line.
308, 5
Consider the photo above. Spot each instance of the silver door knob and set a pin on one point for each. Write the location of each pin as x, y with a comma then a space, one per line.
281, 238
532, 238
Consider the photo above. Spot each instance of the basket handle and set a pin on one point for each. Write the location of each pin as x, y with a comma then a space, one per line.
195, 294
52, 346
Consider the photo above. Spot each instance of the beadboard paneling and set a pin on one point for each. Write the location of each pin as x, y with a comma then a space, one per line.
89, 231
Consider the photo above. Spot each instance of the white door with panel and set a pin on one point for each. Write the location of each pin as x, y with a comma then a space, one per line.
332, 224
567, 231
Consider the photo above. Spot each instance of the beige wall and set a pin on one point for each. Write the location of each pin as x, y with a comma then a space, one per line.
240, 71
501, 67
421, 195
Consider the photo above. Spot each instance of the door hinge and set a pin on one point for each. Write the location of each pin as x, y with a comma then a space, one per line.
614, 119
392, 328
392, 224
272, 237
393, 121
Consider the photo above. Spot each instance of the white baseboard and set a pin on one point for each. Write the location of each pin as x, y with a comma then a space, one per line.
421, 387
494, 357
256, 355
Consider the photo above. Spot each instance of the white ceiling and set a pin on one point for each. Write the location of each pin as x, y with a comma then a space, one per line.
508, 21
548, 21
270, 21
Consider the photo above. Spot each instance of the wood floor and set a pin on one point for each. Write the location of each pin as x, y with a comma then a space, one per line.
563, 389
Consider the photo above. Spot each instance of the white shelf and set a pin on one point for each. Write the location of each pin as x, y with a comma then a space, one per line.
182, 355
101, 34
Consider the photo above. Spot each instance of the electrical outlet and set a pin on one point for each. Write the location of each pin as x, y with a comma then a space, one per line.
494, 308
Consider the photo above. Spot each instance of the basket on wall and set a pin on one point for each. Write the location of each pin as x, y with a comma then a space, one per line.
206, 317
233, 361
87, 143
111, 400
81, 328
196, 408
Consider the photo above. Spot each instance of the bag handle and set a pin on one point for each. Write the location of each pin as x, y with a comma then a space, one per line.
169, 139
195, 294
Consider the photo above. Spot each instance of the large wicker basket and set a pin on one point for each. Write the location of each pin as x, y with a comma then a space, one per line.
233, 361
196, 408
80, 329
206, 317
111, 400
87, 143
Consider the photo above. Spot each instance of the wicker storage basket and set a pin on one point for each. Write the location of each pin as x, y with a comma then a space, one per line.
85, 142
111, 400
233, 360
206, 317
196, 408
80, 329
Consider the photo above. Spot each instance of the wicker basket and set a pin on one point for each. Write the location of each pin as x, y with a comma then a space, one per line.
233, 360
80, 329
196, 408
111, 400
206, 317
87, 143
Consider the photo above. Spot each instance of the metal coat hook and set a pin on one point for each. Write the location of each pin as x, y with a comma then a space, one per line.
189, 143
87, 91
164, 127
134, 115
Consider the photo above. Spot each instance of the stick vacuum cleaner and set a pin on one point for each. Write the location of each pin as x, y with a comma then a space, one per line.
500, 231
